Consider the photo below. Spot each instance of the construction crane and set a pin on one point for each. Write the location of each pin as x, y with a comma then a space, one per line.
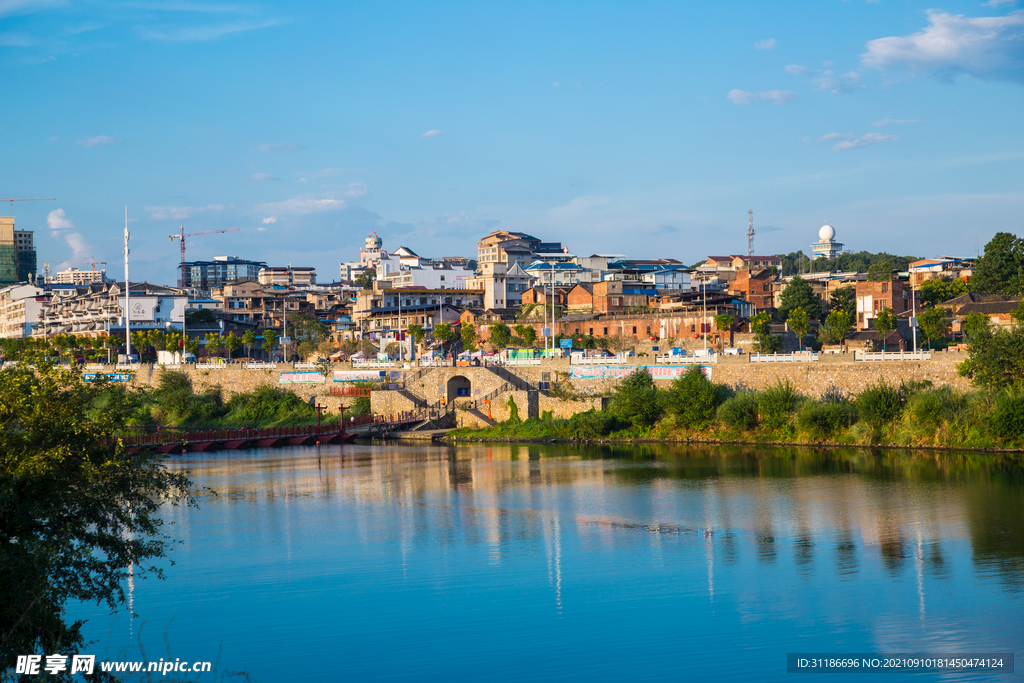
93, 262
25, 199
181, 236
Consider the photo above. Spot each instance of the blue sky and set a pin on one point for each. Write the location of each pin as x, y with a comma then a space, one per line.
642, 128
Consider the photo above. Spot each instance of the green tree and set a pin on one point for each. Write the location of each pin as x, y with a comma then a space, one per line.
838, 325
444, 333
881, 270
78, 512
761, 326
636, 400
172, 342
269, 342
692, 398
1018, 313
996, 359
140, 342
501, 335
305, 327
844, 299
232, 343
366, 278
111, 343
192, 345
213, 343
519, 329
529, 335
723, 321
249, 339
798, 322
935, 291
933, 324
1001, 268
469, 337
798, 294
885, 322
976, 325
418, 333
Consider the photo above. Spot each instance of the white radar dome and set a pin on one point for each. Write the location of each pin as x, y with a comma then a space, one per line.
826, 233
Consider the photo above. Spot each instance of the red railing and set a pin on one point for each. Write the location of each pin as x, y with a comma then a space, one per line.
350, 391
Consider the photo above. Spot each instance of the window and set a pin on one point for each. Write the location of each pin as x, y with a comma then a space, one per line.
634, 329
648, 329
577, 330
885, 287
591, 331
606, 331
693, 328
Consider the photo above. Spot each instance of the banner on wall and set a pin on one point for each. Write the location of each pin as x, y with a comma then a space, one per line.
358, 375
620, 371
301, 378
108, 376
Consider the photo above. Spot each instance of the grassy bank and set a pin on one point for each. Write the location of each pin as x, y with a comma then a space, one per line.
175, 403
694, 409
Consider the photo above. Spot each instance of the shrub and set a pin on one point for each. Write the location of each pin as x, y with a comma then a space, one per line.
929, 408
359, 408
880, 404
513, 411
693, 399
636, 400
591, 424
775, 404
825, 420
1007, 420
267, 404
739, 411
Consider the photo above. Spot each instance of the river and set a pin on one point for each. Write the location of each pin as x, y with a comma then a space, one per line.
556, 562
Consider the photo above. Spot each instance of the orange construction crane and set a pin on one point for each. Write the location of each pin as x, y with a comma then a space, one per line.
181, 236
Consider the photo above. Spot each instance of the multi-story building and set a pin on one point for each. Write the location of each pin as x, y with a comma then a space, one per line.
98, 309
940, 267
21, 307
740, 261
74, 276
384, 312
603, 297
754, 285
206, 275
17, 253
288, 276
503, 286
873, 297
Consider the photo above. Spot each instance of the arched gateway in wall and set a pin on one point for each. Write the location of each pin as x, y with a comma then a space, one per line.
459, 386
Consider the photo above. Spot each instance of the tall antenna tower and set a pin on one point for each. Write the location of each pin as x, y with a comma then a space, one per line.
750, 234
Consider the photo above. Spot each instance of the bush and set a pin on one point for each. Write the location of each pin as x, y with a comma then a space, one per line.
777, 403
929, 408
693, 399
267, 404
880, 404
739, 411
1007, 420
636, 400
590, 425
825, 420
359, 408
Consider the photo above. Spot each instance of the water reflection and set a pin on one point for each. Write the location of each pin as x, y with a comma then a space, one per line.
388, 554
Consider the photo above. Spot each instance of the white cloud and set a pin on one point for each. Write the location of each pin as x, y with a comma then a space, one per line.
998, 3
268, 220
79, 247
96, 141
796, 69
838, 84
988, 48
279, 147
57, 220
430, 133
773, 96
160, 213
193, 34
885, 122
847, 142
264, 177
27, 6
768, 44
301, 206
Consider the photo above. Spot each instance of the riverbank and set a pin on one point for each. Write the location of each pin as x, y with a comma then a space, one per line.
694, 410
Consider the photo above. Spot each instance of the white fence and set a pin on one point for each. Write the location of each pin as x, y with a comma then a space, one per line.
373, 363
211, 366
434, 362
304, 366
796, 357
258, 365
892, 355
597, 360
686, 360
521, 361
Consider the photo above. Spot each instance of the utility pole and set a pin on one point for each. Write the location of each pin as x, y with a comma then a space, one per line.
704, 318
127, 293
750, 234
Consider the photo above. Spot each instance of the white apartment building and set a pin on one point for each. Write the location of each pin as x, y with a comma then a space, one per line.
74, 276
21, 307
98, 309
288, 276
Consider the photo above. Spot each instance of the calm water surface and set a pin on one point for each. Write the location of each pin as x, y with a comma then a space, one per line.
555, 563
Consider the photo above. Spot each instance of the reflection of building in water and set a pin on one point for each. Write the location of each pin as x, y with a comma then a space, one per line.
740, 506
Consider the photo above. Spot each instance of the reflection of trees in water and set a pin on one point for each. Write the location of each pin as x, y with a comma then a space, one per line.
774, 498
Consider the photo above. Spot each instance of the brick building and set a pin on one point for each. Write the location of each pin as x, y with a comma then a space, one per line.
755, 286
873, 297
